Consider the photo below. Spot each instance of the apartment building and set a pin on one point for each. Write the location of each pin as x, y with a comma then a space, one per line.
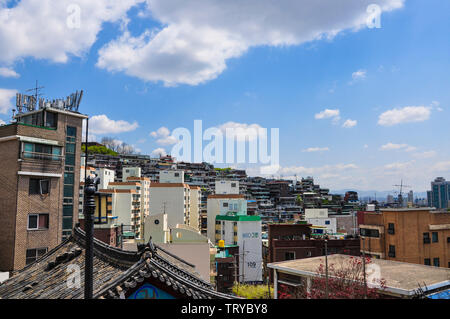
40, 155
180, 201
221, 204
244, 231
127, 205
414, 235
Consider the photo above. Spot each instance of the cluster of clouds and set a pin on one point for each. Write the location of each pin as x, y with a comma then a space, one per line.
193, 42
335, 116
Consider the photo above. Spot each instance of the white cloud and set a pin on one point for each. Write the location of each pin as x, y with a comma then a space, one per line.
392, 146
9, 73
442, 166
399, 165
198, 37
316, 149
101, 124
158, 152
359, 75
48, 29
407, 114
428, 154
366, 146
326, 169
2, 122
327, 113
241, 131
163, 136
350, 123
6, 95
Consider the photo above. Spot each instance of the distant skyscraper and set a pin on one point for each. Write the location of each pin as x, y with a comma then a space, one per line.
440, 193
411, 197
390, 199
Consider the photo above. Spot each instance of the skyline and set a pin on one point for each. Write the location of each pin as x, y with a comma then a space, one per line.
356, 107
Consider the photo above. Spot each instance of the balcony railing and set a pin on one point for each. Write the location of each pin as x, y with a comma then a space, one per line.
42, 156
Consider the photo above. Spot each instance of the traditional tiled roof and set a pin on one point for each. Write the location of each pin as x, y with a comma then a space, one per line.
116, 273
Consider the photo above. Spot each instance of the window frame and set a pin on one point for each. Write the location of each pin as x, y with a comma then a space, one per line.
38, 221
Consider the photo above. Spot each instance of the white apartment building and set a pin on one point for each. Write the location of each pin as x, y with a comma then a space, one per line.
106, 176
227, 187
130, 172
245, 232
129, 205
319, 217
220, 204
171, 176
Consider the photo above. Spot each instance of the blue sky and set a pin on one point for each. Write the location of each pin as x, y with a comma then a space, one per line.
147, 65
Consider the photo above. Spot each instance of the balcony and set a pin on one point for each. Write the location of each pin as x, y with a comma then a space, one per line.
42, 156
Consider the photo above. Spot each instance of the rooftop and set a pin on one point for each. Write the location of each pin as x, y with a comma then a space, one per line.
117, 273
401, 278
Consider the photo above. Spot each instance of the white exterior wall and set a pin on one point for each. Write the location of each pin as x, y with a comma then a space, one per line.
212, 209
194, 216
171, 176
316, 213
106, 176
226, 187
172, 201
159, 231
250, 248
130, 172
121, 207
331, 228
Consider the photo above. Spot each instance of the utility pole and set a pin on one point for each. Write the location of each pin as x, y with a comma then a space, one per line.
326, 269
364, 267
89, 207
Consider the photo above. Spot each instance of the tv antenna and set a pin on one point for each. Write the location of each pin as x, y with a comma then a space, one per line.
36, 90
400, 194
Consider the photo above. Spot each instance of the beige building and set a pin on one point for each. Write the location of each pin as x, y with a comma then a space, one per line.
39, 182
182, 241
126, 204
414, 235
180, 201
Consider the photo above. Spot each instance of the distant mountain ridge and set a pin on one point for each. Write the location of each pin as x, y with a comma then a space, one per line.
378, 194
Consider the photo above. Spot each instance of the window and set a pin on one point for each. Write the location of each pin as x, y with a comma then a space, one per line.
33, 254
327, 222
448, 239
71, 131
225, 204
436, 262
391, 229
435, 237
41, 151
233, 184
39, 186
51, 119
426, 238
427, 261
176, 174
37, 221
391, 251
290, 255
369, 232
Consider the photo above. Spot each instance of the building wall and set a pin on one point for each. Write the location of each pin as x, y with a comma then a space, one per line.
409, 227
316, 213
170, 200
227, 187
170, 176
9, 151
16, 202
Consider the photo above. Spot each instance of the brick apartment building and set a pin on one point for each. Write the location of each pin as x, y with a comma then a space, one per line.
414, 235
292, 241
39, 181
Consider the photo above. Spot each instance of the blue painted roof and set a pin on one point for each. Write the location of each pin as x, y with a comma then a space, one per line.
445, 294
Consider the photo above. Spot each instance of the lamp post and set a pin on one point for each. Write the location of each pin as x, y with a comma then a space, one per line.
326, 269
89, 208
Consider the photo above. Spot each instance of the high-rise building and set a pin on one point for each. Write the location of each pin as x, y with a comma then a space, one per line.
440, 193
39, 180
